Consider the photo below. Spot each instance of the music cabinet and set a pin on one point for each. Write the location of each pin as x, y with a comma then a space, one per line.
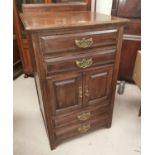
75, 57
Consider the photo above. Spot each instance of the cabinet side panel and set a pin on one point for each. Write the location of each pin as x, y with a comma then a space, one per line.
33, 49
41, 86
115, 71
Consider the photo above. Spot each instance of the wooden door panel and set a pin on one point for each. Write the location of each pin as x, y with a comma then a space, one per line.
96, 80
62, 88
97, 85
65, 91
128, 57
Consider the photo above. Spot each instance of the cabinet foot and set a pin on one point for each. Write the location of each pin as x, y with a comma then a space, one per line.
108, 125
53, 146
26, 76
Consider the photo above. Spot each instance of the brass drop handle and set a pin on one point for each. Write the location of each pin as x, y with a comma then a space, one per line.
84, 63
84, 43
86, 93
84, 116
80, 92
84, 128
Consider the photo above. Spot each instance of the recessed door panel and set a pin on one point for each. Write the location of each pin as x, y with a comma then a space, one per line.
96, 80
66, 91
97, 85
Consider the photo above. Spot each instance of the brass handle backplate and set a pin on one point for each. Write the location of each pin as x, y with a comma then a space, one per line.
84, 128
84, 116
84, 43
84, 63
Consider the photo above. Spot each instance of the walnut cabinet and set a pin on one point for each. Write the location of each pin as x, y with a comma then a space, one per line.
75, 57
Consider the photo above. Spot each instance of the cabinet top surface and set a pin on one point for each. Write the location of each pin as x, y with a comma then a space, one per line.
56, 20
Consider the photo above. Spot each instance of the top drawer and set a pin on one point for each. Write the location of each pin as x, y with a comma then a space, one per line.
75, 41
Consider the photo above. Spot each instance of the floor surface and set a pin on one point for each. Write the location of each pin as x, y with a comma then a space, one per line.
30, 138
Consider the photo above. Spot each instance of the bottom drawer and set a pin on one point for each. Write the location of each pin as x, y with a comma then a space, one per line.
82, 115
81, 128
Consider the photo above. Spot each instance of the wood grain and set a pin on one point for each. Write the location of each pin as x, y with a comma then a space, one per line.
60, 20
66, 91
54, 7
132, 30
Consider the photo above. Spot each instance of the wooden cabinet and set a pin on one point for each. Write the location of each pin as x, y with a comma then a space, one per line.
132, 35
75, 59
22, 37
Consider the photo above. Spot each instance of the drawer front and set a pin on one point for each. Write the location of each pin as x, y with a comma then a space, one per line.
81, 128
79, 61
81, 115
77, 41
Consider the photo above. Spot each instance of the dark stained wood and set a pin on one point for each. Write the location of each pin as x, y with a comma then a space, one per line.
25, 55
133, 27
42, 87
68, 1
129, 8
60, 86
67, 132
132, 32
69, 118
114, 7
129, 49
97, 84
28, 64
57, 7
68, 63
22, 42
74, 100
17, 65
115, 71
23, 49
51, 44
18, 31
59, 20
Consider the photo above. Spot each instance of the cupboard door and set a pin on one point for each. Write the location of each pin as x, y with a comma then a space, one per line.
97, 85
65, 92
